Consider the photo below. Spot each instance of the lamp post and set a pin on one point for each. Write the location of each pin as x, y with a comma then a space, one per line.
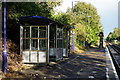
4, 53
72, 32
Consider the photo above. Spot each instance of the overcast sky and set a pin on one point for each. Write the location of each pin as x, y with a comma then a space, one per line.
107, 9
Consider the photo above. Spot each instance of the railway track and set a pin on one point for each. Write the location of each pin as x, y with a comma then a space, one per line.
115, 54
116, 48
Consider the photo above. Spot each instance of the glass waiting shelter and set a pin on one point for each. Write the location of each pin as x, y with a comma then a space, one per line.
42, 39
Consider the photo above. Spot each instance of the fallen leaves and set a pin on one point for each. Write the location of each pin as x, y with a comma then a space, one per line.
14, 57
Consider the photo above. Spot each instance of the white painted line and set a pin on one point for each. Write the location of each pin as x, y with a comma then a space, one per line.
94, 72
114, 70
91, 77
107, 76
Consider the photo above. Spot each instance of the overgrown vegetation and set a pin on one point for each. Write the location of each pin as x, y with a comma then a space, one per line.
86, 20
19, 9
115, 35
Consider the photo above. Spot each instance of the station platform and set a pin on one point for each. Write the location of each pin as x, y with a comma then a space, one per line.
94, 64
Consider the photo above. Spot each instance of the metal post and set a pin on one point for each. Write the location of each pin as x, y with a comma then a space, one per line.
72, 42
62, 39
0, 37
72, 47
21, 39
30, 43
38, 44
72, 6
4, 54
56, 43
56, 36
67, 43
38, 37
48, 43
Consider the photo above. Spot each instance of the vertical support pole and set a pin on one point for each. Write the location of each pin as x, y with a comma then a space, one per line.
38, 37
62, 38
56, 36
21, 39
4, 54
0, 37
67, 43
48, 43
72, 32
38, 44
30, 43
63, 47
72, 42
30, 37
72, 6
56, 45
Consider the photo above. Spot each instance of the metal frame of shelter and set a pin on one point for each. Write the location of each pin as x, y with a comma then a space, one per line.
42, 39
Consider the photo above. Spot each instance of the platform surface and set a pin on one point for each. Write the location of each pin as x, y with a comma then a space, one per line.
93, 64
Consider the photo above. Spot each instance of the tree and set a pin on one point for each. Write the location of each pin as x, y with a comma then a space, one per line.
115, 35
63, 18
19, 9
90, 18
86, 14
85, 25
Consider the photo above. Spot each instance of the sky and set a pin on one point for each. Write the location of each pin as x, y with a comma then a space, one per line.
107, 9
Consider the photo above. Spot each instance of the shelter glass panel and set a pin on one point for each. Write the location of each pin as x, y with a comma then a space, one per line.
34, 32
52, 32
59, 43
43, 44
26, 32
42, 32
52, 36
52, 43
34, 44
59, 33
26, 44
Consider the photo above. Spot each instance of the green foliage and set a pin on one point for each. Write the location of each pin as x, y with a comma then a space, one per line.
63, 18
87, 15
18, 9
86, 20
115, 35
79, 17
